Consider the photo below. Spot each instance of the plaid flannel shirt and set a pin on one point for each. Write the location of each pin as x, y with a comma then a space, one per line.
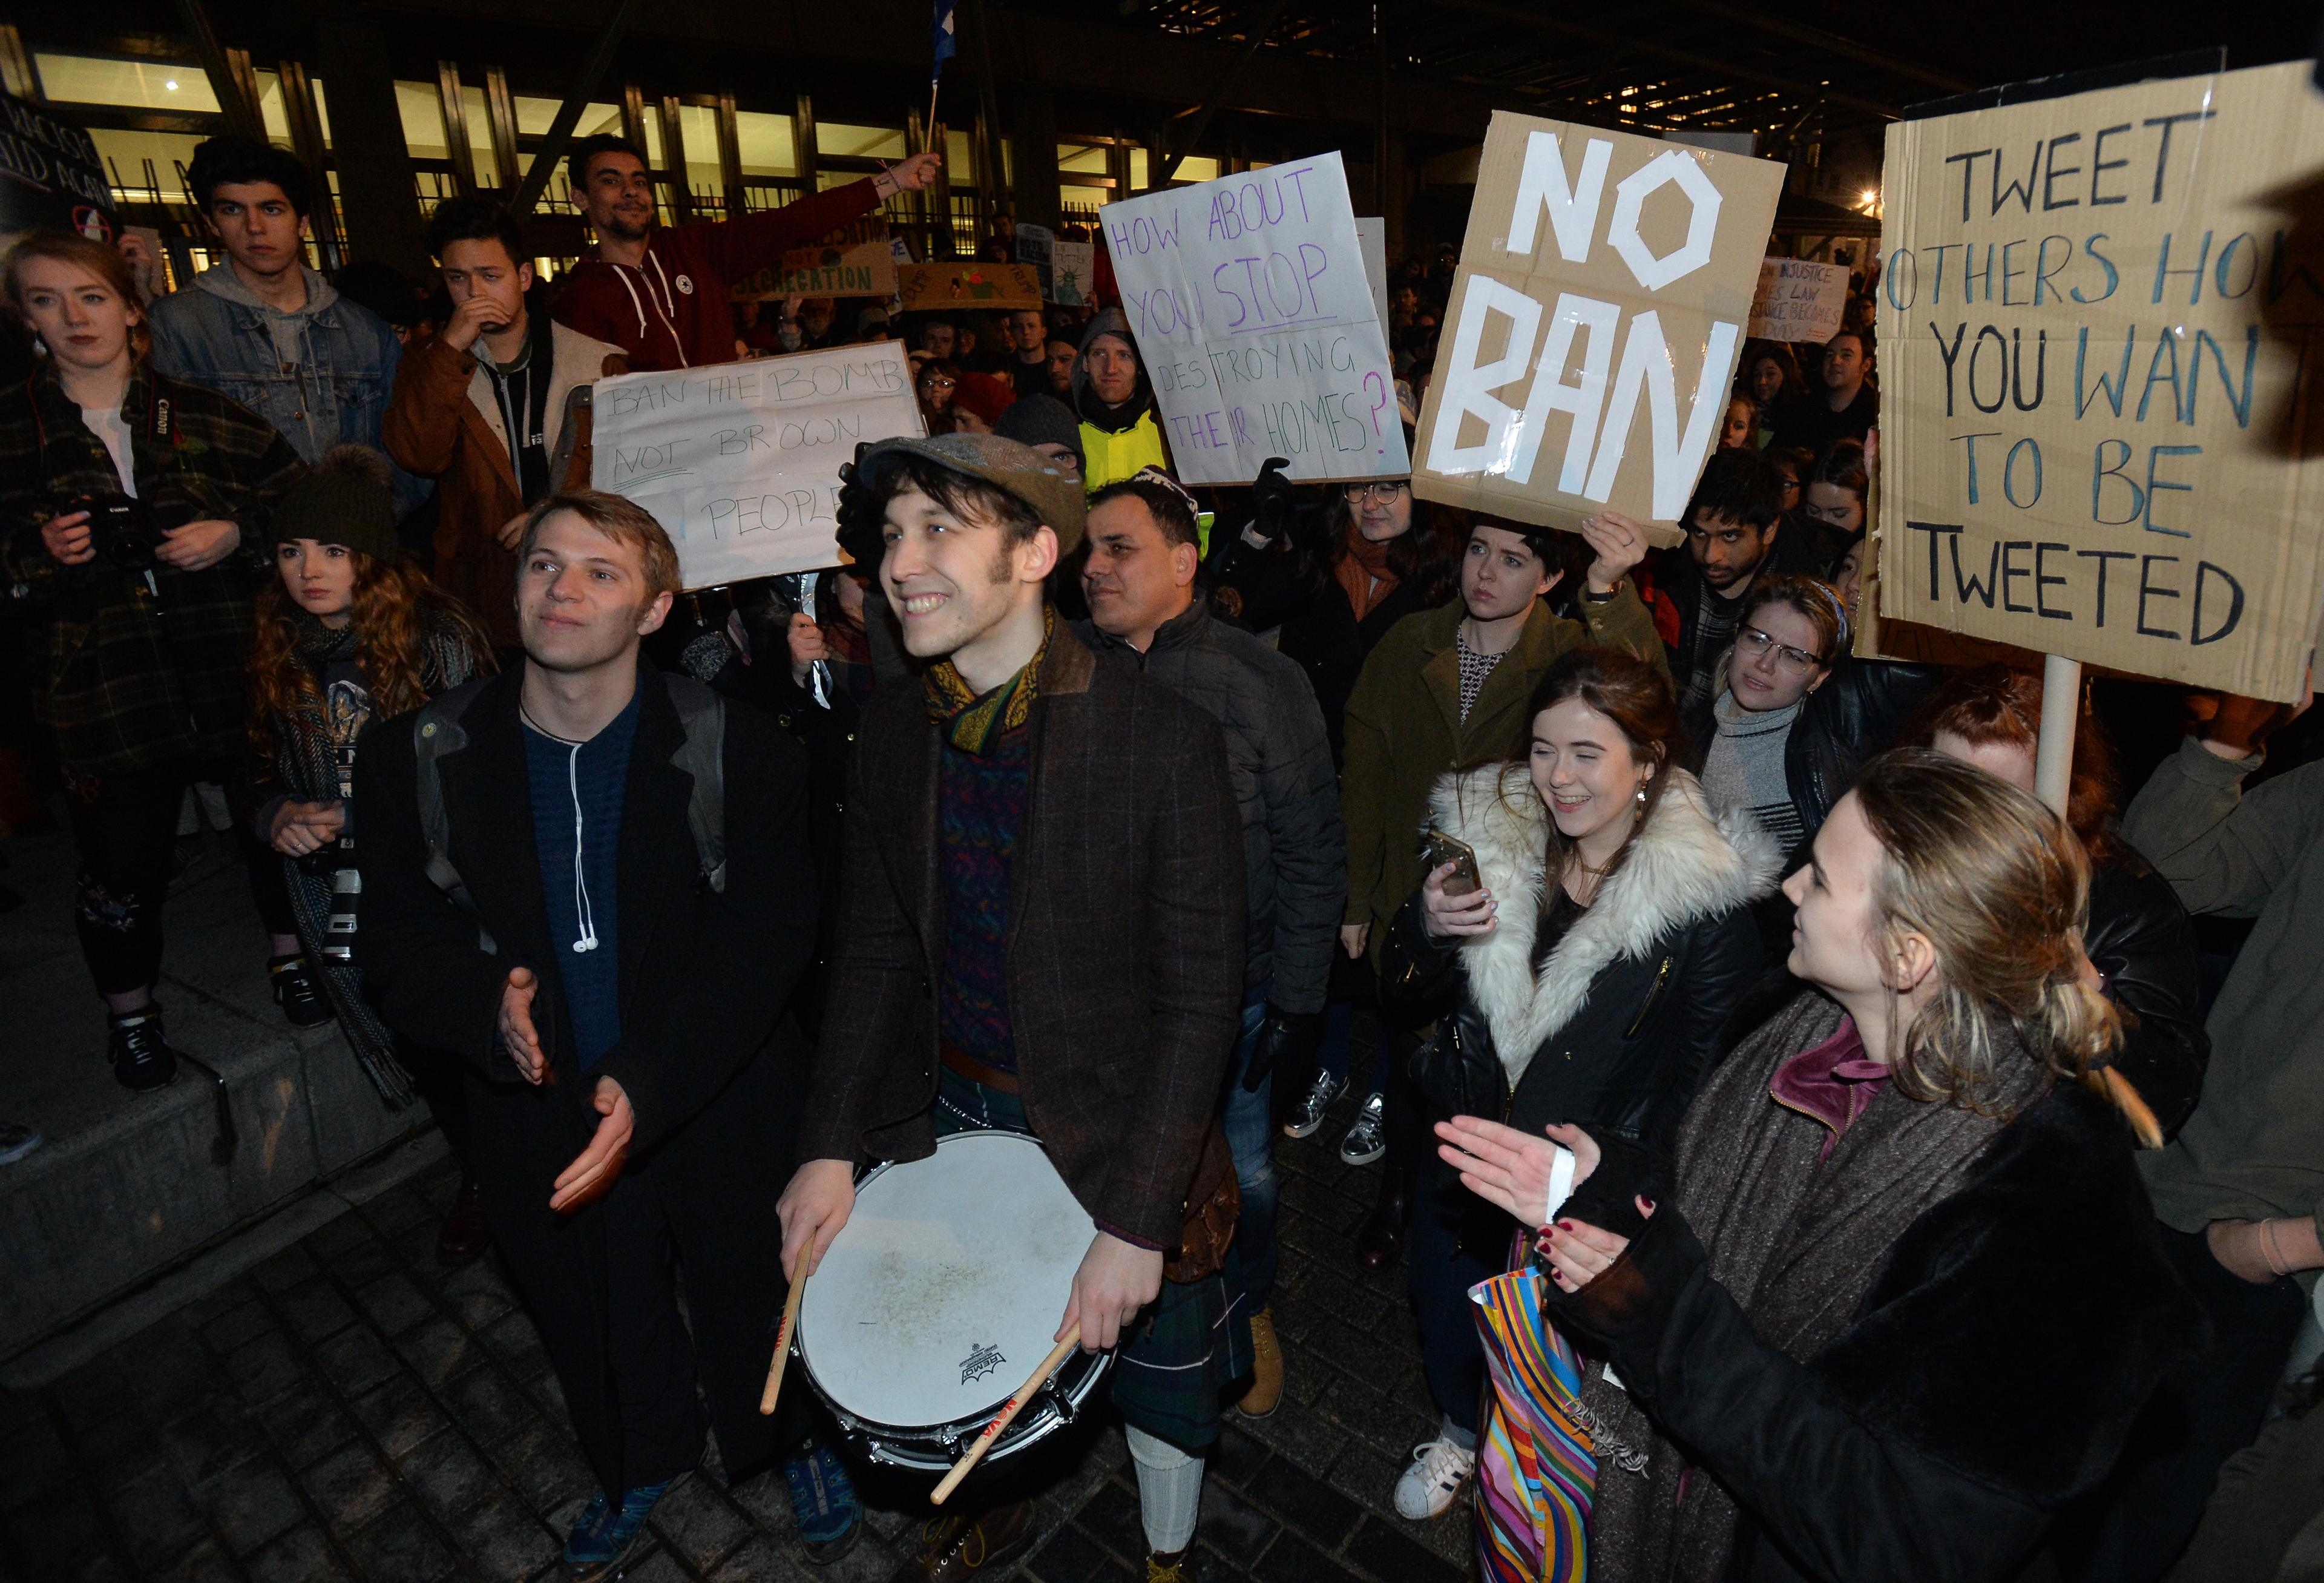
130, 677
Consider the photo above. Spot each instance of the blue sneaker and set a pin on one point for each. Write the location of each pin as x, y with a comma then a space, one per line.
603, 1538
823, 1499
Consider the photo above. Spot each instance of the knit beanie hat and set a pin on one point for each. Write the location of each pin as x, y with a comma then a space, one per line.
984, 395
1041, 419
347, 498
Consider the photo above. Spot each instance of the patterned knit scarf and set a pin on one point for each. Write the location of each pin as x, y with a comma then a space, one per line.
1364, 573
976, 724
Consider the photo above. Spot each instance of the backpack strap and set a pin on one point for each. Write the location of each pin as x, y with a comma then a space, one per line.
703, 714
437, 731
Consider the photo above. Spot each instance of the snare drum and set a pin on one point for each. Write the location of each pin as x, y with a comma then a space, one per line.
941, 1294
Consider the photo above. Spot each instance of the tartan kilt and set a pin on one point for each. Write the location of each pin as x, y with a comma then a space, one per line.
1191, 1345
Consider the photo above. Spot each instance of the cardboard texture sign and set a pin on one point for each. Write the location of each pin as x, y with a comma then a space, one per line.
1595, 324
1798, 300
51, 176
854, 261
2097, 439
1255, 316
925, 287
739, 461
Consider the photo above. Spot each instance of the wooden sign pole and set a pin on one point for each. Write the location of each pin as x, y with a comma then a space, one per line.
2061, 708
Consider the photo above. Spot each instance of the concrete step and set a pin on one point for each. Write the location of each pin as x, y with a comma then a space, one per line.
128, 1186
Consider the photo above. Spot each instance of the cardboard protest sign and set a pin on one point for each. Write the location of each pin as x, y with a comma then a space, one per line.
51, 176
2096, 437
1072, 271
1371, 241
1033, 244
854, 261
1798, 300
739, 461
1248, 300
1595, 324
924, 287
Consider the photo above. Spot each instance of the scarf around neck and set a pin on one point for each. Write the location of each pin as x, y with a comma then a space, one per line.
1364, 573
976, 723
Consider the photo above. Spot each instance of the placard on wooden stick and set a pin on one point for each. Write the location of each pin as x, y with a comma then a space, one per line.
2098, 440
1595, 324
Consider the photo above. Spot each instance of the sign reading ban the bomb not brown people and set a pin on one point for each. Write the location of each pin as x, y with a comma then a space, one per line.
1595, 324
2097, 438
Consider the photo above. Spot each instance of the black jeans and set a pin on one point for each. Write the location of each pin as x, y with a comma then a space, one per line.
2209, 1407
125, 824
1453, 1238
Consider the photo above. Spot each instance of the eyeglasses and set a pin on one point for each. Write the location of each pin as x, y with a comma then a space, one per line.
936, 382
1386, 492
1755, 644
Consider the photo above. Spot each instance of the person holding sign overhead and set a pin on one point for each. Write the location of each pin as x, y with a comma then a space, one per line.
659, 292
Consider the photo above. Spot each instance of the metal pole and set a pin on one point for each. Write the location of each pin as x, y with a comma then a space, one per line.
569, 114
2061, 708
1259, 28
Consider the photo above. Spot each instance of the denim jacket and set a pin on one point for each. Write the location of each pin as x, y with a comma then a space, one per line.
219, 335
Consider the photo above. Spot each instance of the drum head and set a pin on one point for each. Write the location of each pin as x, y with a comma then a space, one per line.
944, 1289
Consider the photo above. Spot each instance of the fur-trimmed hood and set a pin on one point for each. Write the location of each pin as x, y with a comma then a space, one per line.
1688, 864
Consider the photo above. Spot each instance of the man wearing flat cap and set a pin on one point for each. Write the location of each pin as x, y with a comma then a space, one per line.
1042, 930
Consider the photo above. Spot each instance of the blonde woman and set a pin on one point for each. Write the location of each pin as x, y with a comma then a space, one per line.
1899, 1293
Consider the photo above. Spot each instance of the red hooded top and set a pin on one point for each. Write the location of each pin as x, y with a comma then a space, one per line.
673, 312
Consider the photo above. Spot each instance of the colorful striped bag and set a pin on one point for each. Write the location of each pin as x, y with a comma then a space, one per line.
1536, 1473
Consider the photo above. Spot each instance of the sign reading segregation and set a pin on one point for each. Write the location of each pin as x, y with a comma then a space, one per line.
1249, 302
739, 461
1595, 324
2100, 419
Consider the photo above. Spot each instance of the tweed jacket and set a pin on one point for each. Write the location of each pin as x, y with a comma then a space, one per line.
128, 677
1125, 941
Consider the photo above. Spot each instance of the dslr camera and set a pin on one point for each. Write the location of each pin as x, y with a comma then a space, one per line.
124, 530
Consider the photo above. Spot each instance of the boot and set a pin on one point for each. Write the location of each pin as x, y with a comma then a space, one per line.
957, 1549
142, 1060
296, 991
1380, 1239
1266, 1391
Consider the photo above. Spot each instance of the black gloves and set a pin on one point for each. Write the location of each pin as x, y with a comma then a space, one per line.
1273, 500
861, 523
1286, 1040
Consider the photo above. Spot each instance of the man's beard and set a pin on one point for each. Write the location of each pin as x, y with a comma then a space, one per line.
622, 231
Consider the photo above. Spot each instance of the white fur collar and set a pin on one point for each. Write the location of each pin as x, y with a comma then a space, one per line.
1689, 863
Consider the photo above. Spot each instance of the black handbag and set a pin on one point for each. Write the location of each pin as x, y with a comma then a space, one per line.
1457, 1072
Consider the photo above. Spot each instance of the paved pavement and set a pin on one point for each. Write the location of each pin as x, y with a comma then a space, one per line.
347, 1410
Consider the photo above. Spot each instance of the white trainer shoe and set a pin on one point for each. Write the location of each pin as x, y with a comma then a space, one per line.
1429, 1486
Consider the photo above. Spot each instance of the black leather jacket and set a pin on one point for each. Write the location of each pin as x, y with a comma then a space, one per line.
2142, 941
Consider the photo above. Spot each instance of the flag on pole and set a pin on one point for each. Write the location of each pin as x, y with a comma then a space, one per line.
943, 38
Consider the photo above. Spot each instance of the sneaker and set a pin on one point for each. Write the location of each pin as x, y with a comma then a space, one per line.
823, 1499
142, 1060
1428, 1486
1266, 1393
16, 1140
1309, 1117
297, 993
604, 1537
1366, 1141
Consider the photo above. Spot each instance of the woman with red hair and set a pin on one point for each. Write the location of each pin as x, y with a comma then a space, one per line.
2140, 944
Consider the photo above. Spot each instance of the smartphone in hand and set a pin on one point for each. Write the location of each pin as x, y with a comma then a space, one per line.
1441, 849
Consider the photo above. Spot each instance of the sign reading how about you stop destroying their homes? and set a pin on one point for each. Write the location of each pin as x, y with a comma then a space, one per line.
1595, 324
1251, 309
739, 461
2098, 356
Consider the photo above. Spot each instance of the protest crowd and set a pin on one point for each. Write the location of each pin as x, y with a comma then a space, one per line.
1833, 1163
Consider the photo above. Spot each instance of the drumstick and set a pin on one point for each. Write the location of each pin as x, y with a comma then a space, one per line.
782, 1347
1007, 1415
